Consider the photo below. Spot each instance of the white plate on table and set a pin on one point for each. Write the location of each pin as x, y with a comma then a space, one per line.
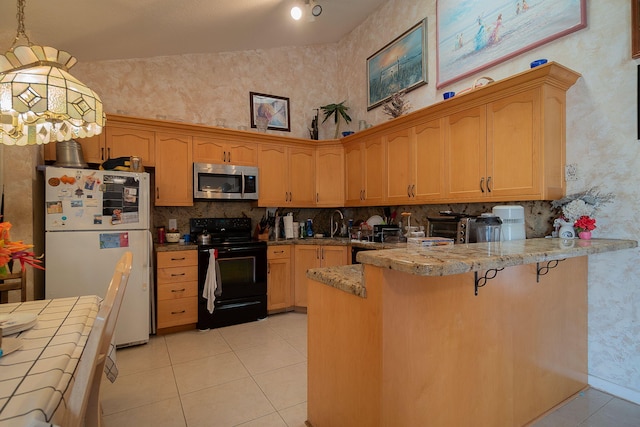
12, 323
9, 345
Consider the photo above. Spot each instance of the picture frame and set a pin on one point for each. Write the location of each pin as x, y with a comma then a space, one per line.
274, 108
474, 36
635, 29
399, 65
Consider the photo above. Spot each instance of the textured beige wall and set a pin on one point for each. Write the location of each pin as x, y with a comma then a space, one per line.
601, 129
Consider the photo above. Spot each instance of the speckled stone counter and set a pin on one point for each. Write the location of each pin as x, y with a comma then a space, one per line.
457, 259
171, 247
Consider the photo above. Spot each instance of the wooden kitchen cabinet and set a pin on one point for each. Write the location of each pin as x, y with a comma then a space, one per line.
126, 142
415, 163
330, 176
314, 256
225, 151
365, 174
501, 151
177, 288
279, 284
174, 170
287, 175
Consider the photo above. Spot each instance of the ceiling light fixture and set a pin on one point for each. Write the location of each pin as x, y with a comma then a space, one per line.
311, 10
39, 100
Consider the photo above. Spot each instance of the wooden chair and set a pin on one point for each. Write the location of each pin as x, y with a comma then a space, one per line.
83, 407
13, 282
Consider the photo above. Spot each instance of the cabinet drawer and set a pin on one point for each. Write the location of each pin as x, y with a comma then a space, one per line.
177, 274
177, 258
177, 312
278, 252
171, 291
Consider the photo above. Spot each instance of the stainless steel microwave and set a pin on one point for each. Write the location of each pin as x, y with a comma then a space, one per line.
225, 182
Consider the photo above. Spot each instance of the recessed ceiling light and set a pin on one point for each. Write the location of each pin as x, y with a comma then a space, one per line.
296, 13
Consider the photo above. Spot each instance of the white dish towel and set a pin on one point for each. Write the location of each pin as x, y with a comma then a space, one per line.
212, 285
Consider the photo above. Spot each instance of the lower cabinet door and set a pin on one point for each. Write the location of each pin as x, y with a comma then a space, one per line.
176, 312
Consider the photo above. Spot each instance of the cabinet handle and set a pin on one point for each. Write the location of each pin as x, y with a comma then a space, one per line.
178, 290
408, 191
482, 184
176, 275
322, 253
290, 196
413, 190
102, 153
178, 259
224, 156
278, 252
364, 194
179, 312
317, 197
268, 268
229, 156
158, 193
489, 184
108, 152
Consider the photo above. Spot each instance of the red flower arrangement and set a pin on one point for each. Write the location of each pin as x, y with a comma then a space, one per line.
10, 250
585, 223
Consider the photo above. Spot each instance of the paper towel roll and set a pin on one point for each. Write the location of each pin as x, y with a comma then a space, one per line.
288, 226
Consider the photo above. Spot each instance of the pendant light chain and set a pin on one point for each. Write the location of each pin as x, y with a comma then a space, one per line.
21, 28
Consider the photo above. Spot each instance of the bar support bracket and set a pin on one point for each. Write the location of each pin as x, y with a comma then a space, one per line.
488, 275
541, 271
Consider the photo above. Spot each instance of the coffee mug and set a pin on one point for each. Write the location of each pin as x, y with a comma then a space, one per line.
448, 95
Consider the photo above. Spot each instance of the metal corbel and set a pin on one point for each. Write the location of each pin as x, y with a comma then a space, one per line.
541, 271
488, 275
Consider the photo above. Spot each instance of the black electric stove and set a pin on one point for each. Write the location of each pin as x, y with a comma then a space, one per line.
241, 293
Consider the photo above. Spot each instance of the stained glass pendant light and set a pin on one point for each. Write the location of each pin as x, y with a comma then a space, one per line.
40, 101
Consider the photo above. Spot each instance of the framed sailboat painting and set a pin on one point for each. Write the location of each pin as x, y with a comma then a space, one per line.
476, 35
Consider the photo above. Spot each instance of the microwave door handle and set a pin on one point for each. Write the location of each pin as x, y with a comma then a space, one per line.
242, 195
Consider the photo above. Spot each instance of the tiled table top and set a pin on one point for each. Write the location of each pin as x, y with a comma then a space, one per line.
34, 379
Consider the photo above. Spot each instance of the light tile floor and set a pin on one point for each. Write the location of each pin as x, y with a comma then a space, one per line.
254, 375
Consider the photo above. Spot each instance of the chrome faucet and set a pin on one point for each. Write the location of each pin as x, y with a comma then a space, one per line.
334, 225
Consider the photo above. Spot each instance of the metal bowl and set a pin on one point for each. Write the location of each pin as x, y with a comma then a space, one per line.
69, 155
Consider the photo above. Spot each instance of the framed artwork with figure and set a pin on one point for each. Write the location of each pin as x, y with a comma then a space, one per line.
473, 36
274, 110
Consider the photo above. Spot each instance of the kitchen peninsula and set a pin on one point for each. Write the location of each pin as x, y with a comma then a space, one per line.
491, 334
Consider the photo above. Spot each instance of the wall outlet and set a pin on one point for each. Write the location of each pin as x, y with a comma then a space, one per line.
571, 172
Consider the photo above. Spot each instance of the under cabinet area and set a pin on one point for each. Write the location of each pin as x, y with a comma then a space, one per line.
279, 284
177, 288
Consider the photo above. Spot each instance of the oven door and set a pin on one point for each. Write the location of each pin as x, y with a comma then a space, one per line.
242, 289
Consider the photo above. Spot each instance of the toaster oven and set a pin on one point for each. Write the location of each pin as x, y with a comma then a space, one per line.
459, 227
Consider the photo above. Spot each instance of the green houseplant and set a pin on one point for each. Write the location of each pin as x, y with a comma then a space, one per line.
337, 111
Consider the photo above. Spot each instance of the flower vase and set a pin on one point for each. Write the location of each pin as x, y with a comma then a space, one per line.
585, 235
566, 230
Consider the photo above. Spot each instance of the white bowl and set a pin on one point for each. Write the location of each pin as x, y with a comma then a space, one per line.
173, 237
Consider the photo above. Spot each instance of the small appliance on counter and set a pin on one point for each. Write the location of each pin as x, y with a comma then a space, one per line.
488, 227
512, 217
454, 225
388, 233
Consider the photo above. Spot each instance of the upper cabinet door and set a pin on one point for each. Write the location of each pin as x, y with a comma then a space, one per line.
173, 174
273, 186
467, 154
400, 172
127, 142
513, 145
330, 176
218, 150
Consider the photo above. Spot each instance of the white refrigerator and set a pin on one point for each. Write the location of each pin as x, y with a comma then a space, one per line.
92, 218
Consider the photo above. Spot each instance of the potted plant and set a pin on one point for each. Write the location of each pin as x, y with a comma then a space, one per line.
337, 111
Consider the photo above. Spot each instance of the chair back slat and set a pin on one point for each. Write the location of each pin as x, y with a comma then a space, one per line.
83, 406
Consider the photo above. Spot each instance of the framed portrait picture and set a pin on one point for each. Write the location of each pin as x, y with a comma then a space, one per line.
473, 36
400, 65
270, 110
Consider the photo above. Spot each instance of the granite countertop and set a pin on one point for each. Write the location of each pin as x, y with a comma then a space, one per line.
337, 241
458, 259
170, 247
